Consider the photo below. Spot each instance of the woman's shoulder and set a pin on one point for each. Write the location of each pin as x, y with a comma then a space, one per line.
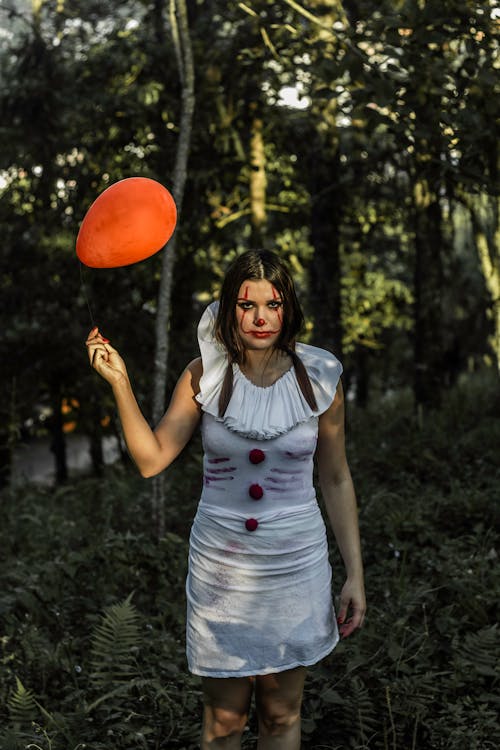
315, 357
195, 366
194, 371
324, 370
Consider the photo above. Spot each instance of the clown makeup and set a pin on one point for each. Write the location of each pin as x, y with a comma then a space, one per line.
259, 313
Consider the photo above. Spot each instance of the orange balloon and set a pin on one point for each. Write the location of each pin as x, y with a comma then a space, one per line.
129, 221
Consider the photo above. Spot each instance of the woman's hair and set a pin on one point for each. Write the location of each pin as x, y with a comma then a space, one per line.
257, 265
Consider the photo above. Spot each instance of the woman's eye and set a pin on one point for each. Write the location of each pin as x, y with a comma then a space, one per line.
245, 305
275, 305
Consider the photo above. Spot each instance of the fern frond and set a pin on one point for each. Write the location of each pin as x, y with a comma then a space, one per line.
114, 642
22, 704
9, 740
364, 711
477, 653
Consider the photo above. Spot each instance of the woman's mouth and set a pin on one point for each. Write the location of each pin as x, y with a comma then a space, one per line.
263, 334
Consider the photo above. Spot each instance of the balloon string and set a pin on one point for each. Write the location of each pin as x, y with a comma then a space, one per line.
85, 296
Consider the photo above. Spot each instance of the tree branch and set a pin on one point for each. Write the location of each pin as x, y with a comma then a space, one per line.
317, 21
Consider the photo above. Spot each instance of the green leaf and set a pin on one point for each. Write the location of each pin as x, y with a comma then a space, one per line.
22, 704
115, 641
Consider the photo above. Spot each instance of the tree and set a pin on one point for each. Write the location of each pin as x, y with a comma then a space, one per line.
182, 42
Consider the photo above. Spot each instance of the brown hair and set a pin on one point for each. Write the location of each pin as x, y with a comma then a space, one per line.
256, 265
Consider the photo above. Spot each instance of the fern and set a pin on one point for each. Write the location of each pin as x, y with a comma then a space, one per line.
363, 710
22, 705
114, 643
475, 657
9, 740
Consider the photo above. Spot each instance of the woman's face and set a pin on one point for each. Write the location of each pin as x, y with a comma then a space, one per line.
259, 314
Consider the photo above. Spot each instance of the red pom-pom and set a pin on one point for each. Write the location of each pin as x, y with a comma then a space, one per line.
256, 456
255, 491
251, 524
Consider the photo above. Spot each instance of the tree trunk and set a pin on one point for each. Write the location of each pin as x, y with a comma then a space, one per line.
258, 181
5, 459
325, 268
323, 168
362, 377
487, 239
428, 284
58, 438
95, 447
182, 43
8, 436
484, 210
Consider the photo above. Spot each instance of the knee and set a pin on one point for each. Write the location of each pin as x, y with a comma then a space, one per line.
220, 724
279, 719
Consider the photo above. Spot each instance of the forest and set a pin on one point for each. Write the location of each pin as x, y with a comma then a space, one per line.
357, 139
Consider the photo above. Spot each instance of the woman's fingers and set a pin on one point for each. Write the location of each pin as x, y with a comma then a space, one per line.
104, 358
342, 614
352, 602
95, 336
98, 347
347, 629
353, 623
97, 354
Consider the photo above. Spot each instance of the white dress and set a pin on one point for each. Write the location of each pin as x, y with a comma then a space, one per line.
259, 582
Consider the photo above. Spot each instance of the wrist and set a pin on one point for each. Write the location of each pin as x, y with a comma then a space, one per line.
120, 382
355, 572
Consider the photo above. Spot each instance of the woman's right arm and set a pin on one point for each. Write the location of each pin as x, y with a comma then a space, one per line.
151, 450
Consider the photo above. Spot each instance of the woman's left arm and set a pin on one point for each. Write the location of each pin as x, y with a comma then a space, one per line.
340, 502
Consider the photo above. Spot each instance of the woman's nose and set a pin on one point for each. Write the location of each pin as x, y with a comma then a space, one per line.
260, 322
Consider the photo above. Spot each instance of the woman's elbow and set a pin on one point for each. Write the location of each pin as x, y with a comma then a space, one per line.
154, 462
148, 470
335, 479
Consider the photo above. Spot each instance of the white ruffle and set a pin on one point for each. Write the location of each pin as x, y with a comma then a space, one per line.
254, 411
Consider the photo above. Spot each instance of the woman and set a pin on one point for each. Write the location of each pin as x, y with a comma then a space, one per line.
259, 583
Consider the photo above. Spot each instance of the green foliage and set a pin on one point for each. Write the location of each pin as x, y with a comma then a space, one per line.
373, 306
114, 676
22, 705
114, 643
421, 673
393, 93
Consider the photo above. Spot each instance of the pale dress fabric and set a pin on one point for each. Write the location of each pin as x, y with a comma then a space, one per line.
259, 601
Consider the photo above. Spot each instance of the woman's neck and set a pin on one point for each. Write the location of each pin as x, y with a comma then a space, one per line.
264, 367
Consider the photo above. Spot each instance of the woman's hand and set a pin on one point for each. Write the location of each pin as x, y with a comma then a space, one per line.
352, 603
104, 358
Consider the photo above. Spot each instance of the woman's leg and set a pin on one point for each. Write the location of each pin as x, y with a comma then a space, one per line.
225, 714
278, 698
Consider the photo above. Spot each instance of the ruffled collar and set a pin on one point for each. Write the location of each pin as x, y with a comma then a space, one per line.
258, 412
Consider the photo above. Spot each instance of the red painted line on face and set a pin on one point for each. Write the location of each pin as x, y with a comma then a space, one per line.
260, 321
245, 296
279, 311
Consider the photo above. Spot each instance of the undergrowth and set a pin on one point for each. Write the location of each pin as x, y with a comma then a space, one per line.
92, 607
